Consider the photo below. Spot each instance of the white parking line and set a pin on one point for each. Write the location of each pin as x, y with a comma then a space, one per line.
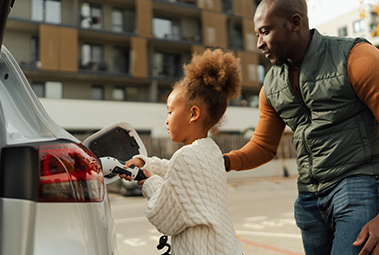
135, 242
267, 234
128, 220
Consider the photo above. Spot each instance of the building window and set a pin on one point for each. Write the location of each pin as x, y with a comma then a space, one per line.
46, 11
192, 2
190, 29
254, 101
53, 89
167, 65
261, 70
227, 6
133, 94
34, 49
163, 95
118, 94
97, 93
92, 58
342, 31
39, 89
91, 16
121, 60
49, 89
359, 26
235, 36
123, 20
166, 29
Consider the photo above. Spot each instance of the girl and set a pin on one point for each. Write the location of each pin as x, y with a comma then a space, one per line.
187, 195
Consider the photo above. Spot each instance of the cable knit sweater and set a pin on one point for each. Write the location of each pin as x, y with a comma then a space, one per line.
187, 200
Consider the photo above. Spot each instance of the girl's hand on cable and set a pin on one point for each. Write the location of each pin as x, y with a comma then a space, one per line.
147, 174
134, 161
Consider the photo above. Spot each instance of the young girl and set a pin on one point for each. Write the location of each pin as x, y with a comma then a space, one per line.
187, 195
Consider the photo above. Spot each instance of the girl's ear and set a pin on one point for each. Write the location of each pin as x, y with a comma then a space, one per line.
195, 113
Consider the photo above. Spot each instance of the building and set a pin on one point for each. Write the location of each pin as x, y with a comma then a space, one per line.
361, 22
94, 63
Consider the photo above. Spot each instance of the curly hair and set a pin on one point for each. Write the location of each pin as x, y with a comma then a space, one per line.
211, 79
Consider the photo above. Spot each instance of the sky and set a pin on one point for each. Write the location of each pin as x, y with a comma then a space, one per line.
321, 11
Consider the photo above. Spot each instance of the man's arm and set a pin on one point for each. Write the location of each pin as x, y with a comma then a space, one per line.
263, 146
362, 70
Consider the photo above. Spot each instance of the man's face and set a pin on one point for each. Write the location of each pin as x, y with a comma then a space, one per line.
273, 34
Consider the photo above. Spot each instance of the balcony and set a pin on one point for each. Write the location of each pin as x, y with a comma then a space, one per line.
175, 29
167, 65
184, 2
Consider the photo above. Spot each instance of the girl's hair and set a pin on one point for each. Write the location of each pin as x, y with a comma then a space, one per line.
211, 80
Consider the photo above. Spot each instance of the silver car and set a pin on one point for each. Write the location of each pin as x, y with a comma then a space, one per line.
52, 193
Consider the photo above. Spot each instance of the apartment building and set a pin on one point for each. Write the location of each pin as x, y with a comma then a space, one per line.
361, 22
94, 63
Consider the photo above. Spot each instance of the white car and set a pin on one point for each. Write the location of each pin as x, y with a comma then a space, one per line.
53, 199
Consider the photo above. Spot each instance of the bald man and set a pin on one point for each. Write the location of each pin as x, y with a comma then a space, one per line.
326, 89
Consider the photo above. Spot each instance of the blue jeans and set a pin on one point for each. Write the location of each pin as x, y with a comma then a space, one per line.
330, 220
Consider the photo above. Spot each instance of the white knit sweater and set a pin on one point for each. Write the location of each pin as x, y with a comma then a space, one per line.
187, 200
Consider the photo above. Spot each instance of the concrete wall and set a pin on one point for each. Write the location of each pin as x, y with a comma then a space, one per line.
94, 115
271, 169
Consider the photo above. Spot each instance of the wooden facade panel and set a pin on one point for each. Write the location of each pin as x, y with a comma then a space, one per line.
49, 47
213, 5
58, 48
68, 49
214, 29
249, 64
139, 55
250, 40
243, 8
248, 8
144, 11
199, 49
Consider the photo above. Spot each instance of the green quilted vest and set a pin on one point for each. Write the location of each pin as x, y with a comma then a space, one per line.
335, 133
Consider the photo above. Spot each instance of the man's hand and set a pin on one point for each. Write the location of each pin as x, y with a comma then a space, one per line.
370, 230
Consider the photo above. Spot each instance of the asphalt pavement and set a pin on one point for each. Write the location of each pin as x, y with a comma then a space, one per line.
261, 211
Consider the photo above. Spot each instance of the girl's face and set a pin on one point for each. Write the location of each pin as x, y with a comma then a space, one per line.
179, 116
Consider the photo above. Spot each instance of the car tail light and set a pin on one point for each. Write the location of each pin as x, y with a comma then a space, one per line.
69, 172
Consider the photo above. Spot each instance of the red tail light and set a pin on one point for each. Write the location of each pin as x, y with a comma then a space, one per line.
69, 172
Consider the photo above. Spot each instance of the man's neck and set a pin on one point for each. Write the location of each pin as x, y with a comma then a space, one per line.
302, 51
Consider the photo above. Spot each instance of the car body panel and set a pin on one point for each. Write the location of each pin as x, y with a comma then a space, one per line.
28, 227
78, 234
26, 120
17, 226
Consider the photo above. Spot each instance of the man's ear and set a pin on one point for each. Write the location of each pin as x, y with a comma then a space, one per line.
295, 22
195, 113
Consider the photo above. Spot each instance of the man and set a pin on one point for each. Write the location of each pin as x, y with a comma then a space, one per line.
326, 89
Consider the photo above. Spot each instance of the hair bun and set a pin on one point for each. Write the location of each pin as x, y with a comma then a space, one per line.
217, 69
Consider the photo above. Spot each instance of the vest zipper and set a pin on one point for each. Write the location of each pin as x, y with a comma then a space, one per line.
306, 144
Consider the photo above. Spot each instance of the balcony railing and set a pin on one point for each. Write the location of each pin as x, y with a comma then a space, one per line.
190, 2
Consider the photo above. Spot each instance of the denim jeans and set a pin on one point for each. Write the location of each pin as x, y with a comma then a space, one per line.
330, 220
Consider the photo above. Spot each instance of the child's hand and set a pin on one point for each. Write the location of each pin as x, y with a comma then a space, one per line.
136, 162
147, 174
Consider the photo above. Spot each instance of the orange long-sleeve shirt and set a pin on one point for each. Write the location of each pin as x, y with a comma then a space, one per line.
362, 65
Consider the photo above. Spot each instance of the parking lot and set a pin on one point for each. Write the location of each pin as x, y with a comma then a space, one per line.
261, 210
